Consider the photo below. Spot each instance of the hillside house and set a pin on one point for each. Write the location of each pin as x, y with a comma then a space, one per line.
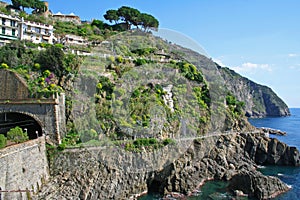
14, 28
36, 32
73, 40
9, 28
67, 17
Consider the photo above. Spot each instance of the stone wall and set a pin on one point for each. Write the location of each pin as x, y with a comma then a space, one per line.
23, 166
50, 115
12, 86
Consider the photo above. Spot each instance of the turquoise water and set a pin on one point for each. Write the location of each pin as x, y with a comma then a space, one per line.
216, 190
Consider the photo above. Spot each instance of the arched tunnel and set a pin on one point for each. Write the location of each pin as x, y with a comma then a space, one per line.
10, 120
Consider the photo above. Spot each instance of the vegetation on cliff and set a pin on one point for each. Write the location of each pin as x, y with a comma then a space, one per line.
46, 71
260, 101
133, 77
141, 94
127, 103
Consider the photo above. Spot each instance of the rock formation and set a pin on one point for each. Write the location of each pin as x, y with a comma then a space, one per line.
80, 174
108, 172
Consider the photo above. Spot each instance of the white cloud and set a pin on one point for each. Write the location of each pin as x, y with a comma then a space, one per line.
219, 62
252, 67
293, 55
295, 67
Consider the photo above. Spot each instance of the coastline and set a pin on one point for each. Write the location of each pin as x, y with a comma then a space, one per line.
253, 173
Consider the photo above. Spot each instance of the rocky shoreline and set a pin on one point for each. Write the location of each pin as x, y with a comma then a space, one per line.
271, 131
229, 157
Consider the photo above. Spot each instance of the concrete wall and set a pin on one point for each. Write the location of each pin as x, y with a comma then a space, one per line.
23, 166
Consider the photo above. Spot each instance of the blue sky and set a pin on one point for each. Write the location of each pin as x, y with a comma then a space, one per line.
260, 39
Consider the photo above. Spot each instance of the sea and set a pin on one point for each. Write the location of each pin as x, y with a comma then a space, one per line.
216, 190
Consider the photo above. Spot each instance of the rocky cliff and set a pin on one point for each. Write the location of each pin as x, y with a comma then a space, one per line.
82, 174
260, 101
144, 67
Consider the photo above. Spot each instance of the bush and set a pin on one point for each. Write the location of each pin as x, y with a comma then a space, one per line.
140, 61
152, 141
61, 147
37, 66
88, 135
3, 141
17, 135
4, 66
168, 141
120, 59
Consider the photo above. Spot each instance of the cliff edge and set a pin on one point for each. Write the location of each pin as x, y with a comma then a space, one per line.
260, 101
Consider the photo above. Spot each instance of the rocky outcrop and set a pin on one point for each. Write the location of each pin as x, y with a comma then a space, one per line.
229, 158
81, 174
271, 131
260, 101
255, 184
270, 151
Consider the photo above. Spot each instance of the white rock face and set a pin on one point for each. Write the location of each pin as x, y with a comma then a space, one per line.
168, 97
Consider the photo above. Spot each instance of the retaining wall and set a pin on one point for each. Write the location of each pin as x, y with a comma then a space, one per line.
23, 166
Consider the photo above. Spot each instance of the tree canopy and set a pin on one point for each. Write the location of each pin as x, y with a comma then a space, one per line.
112, 15
132, 16
37, 5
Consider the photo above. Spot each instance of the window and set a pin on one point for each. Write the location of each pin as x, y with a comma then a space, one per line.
38, 30
3, 21
12, 23
3, 30
13, 32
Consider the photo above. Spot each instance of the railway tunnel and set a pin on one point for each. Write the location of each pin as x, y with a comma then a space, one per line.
28, 124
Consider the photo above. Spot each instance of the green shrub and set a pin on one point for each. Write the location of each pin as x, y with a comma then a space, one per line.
46, 73
61, 46
152, 141
168, 141
61, 147
140, 61
3, 141
17, 135
111, 59
120, 59
4, 66
37, 66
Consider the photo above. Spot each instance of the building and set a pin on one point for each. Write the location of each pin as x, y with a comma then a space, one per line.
73, 40
36, 32
67, 17
9, 28
14, 28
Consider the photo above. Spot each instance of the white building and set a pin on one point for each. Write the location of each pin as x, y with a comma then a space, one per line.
14, 28
73, 40
36, 32
67, 17
9, 29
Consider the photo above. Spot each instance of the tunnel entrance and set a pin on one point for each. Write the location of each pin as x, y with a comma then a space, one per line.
26, 122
